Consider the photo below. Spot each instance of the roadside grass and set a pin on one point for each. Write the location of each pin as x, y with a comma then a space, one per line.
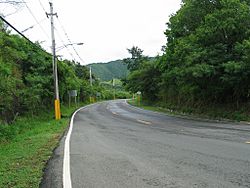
26, 146
227, 113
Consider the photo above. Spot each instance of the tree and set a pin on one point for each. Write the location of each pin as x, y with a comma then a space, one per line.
26, 81
204, 53
136, 60
145, 80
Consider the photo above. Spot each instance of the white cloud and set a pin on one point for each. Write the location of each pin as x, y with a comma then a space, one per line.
106, 27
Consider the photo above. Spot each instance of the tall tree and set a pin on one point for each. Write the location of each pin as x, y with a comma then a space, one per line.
136, 60
206, 52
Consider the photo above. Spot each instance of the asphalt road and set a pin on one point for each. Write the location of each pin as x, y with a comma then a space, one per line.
116, 145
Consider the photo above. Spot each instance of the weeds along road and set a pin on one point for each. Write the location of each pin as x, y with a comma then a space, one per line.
114, 145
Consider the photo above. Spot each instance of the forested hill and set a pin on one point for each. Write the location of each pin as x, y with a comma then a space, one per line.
110, 70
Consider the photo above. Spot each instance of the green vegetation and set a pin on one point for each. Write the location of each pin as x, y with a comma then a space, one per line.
204, 70
109, 84
108, 71
205, 67
26, 81
26, 145
114, 89
224, 113
28, 131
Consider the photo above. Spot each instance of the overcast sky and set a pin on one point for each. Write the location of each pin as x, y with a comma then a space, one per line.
106, 27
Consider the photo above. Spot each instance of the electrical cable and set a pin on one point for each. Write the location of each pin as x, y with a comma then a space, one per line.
67, 36
35, 45
33, 25
59, 36
35, 19
42, 6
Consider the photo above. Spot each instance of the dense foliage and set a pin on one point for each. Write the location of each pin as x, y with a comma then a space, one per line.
26, 80
206, 59
114, 89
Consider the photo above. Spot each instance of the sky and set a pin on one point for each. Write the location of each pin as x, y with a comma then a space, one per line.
106, 27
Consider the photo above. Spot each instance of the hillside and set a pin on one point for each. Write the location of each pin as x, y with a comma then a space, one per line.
110, 70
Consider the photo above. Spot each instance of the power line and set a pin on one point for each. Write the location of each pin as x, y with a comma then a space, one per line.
33, 25
12, 13
35, 18
59, 36
67, 36
42, 6
5, 21
9, 2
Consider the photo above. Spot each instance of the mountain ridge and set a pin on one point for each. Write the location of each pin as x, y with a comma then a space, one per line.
109, 70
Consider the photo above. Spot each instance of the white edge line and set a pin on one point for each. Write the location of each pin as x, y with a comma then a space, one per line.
144, 122
66, 160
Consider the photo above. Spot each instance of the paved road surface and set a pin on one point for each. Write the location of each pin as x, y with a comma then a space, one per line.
115, 145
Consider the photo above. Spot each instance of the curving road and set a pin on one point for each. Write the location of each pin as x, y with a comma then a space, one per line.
116, 145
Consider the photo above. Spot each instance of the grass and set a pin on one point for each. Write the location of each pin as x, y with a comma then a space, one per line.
222, 112
147, 106
26, 146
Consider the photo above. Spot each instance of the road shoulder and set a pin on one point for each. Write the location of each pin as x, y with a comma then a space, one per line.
52, 176
187, 116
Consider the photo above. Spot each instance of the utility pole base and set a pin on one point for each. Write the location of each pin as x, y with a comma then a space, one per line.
57, 110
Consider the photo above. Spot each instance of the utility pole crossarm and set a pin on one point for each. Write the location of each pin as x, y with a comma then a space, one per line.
51, 11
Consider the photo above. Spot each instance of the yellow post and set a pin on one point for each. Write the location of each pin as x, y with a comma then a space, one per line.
138, 100
57, 110
91, 99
